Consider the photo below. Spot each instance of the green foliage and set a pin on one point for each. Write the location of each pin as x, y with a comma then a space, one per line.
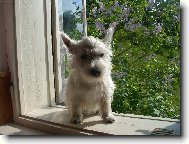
146, 45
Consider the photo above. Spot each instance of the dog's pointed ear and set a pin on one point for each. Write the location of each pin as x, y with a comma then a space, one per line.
70, 44
109, 35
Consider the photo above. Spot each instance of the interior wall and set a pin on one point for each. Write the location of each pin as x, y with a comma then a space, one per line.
3, 55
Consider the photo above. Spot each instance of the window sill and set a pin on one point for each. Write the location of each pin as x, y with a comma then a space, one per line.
126, 124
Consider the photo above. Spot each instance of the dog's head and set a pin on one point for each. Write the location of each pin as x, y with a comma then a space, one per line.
91, 56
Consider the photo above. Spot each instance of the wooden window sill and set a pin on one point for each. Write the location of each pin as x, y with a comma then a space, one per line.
126, 124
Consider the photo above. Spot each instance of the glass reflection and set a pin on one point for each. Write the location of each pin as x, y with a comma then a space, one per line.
70, 18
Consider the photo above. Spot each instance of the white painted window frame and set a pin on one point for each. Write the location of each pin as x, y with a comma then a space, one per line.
13, 29
48, 119
56, 51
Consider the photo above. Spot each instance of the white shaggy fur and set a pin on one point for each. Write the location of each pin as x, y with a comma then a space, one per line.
89, 87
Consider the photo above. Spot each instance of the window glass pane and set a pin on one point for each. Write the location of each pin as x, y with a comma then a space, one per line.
70, 17
71, 22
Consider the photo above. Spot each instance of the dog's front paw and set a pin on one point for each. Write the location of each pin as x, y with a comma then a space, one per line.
76, 120
109, 119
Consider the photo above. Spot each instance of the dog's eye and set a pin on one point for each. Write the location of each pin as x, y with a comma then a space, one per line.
101, 55
84, 56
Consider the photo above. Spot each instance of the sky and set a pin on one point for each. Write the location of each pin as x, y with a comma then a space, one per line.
65, 5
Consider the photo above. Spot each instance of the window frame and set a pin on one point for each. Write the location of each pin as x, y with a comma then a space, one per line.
56, 52
15, 18
32, 121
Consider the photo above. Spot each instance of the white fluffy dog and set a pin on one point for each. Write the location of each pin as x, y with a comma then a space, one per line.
89, 87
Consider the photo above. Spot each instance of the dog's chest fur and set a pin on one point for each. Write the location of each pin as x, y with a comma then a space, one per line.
88, 95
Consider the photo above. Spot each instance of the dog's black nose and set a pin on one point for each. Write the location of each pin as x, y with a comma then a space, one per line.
95, 71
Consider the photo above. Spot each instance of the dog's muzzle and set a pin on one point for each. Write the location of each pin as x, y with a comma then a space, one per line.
95, 72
